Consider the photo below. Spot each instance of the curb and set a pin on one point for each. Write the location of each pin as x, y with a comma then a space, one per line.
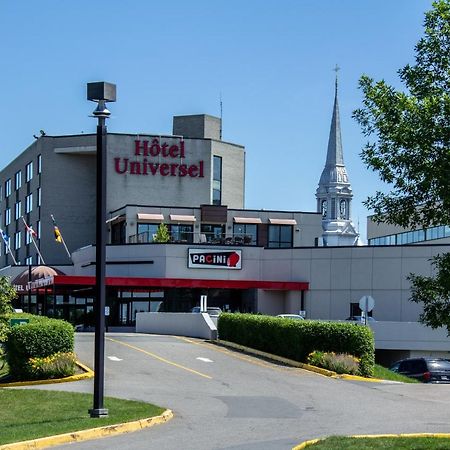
305, 444
93, 433
88, 373
291, 362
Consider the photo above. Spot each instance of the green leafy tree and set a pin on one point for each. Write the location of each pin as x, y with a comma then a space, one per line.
410, 132
7, 295
409, 147
162, 234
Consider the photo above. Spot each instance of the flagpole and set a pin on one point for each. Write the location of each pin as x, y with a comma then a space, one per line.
8, 248
62, 239
30, 232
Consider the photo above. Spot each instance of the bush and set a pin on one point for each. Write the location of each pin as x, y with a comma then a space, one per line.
296, 339
57, 365
337, 362
40, 338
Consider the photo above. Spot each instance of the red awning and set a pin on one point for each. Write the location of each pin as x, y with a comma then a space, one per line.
129, 282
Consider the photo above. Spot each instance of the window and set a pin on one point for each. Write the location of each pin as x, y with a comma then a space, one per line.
29, 203
29, 171
7, 216
17, 240
280, 236
39, 164
212, 233
146, 231
182, 233
38, 197
29, 261
38, 229
247, 232
217, 180
7, 247
118, 233
18, 210
18, 180
7, 187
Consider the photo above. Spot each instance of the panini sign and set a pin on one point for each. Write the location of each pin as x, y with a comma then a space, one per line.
217, 259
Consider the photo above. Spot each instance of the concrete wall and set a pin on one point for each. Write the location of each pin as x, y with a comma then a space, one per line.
180, 324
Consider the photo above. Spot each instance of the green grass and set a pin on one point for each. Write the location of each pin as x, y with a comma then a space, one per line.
29, 414
386, 374
339, 443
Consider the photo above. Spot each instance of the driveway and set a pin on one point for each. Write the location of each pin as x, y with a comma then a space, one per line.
222, 399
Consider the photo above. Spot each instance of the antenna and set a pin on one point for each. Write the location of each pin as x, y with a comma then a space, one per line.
221, 114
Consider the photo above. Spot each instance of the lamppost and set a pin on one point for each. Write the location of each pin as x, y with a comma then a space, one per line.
100, 92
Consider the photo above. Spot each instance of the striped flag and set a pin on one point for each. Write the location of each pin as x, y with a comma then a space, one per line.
30, 230
5, 237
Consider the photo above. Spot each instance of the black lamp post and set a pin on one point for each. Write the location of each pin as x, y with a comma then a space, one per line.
100, 92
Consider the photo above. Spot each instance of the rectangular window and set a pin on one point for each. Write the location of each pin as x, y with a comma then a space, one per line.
246, 233
146, 231
182, 233
280, 236
7, 216
39, 164
217, 180
18, 210
18, 239
213, 233
29, 203
7, 187
29, 261
7, 247
28, 238
39, 197
38, 229
29, 171
18, 180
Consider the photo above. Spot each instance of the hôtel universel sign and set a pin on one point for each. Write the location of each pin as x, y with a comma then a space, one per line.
158, 158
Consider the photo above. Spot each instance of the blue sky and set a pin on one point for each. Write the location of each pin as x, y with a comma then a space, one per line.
272, 62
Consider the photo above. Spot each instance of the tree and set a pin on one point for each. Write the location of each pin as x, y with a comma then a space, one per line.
7, 295
162, 234
410, 150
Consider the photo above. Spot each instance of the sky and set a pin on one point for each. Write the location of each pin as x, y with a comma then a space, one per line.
271, 62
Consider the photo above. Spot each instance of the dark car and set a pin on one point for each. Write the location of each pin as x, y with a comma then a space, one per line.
427, 370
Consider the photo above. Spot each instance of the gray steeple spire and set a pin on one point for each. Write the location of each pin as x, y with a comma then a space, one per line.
334, 193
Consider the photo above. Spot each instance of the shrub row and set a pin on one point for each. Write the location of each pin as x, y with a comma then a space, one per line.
296, 339
40, 338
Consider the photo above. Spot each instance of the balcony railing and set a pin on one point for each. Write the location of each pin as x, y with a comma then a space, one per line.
197, 238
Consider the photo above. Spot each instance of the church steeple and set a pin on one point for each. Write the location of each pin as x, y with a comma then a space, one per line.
334, 193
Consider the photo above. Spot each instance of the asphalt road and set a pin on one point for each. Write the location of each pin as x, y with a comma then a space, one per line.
222, 399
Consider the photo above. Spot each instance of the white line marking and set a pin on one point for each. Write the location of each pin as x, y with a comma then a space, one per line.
204, 359
114, 358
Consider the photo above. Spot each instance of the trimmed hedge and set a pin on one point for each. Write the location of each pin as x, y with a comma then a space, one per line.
40, 338
296, 339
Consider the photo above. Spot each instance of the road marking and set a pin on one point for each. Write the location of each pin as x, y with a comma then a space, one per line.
204, 359
159, 358
248, 358
114, 358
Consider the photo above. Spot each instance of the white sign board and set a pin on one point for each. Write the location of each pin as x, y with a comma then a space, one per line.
214, 259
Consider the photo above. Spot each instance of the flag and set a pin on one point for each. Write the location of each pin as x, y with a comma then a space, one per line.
56, 232
30, 230
5, 237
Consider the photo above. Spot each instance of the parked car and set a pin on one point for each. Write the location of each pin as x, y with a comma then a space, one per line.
427, 370
358, 319
291, 316
212, 311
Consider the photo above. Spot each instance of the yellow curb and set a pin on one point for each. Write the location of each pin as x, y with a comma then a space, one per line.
291, 362
88, 373
93, 433
305, 444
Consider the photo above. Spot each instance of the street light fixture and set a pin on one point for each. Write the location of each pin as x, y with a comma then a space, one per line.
100, 92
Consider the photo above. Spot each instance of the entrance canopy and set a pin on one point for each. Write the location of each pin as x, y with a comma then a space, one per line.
35, 277
134, 282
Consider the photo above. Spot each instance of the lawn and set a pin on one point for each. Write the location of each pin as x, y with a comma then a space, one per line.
339, 443
386, 374
29, 414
